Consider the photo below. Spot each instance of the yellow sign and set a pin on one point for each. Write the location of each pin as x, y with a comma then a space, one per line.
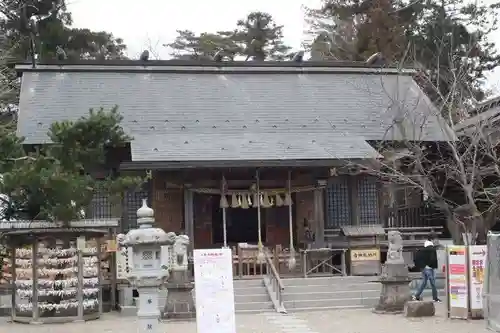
111, 245
365, 255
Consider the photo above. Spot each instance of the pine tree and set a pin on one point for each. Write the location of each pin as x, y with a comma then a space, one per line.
54, 181
189, 45
256, 37
259, 37
447, 40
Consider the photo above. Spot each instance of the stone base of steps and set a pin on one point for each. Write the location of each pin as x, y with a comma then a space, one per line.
128, 311
250, 296
342, 303
344, 307
338, 292
253, 307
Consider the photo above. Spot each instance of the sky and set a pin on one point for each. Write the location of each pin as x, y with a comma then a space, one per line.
148, 24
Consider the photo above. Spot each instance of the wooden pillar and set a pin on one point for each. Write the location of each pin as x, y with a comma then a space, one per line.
382, 212
34, 266
319, 215
189, 214
99, 276
353, 190
112, 270
13, 290
79, 289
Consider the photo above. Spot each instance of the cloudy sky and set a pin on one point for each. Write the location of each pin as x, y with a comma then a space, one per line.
151, 23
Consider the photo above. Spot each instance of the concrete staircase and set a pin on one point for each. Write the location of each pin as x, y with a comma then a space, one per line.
250, 296
334, 293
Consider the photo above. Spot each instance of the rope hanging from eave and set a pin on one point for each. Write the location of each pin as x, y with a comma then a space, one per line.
270, 192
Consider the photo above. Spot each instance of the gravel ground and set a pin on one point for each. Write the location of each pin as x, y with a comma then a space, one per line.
347, 321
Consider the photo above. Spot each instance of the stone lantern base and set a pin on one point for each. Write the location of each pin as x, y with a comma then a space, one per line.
180, 303
395, 289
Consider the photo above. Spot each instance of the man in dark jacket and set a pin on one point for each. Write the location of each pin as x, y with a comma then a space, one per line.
426, 262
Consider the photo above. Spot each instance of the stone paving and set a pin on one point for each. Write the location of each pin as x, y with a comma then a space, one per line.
343, 321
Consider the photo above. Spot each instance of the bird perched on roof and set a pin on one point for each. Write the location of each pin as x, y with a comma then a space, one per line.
321, 47
298, 57
252, 49
223, 54
376, 59
60, 53
219, 55
144, 55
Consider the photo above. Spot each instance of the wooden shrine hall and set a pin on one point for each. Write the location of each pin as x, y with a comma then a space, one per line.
250, 155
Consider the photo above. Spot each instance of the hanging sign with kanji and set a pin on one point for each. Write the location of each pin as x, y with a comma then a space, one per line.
477, 264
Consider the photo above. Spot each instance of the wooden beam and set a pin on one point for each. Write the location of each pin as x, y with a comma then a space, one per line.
319, 216
354, 196
189, 214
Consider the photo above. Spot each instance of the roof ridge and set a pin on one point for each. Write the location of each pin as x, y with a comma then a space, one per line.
171, 66
202, 63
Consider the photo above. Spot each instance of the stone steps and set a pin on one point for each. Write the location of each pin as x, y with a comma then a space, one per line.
337, 293
250, 296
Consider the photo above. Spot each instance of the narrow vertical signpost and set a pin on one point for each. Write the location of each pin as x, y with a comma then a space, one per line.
457, 282
477, 266
214, 292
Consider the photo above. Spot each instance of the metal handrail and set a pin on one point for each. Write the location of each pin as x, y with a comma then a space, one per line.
274, 284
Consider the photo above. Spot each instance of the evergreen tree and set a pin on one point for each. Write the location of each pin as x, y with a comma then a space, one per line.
33, 29
48, 23
54, 182
447, 40
189, 45
259, 37
256, 37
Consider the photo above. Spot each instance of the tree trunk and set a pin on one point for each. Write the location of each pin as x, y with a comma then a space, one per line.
455, 230
482, 228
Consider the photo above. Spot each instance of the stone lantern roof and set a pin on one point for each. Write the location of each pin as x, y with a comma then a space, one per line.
146, 234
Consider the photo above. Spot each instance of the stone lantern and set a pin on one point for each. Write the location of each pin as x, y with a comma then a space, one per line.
395, 279
147, 273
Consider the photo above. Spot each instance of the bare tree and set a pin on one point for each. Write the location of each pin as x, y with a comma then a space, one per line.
153, 48
8, 84
458, 173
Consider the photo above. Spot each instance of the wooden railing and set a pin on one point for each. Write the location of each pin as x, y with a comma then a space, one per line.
246, 264
415, 233
321, 262
422, 216
273, 283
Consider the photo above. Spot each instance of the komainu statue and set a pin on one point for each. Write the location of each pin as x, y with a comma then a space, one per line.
180, 252
395, 251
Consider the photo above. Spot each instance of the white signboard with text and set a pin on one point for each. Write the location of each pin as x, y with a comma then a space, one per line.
457, 278
213, 274
477, 265
123, 259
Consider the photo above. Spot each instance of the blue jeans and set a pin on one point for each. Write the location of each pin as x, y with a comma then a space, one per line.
428, 274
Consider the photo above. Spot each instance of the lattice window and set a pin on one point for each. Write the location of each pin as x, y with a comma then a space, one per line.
132, 202
338, 203
147, 255
100, 207
368, 200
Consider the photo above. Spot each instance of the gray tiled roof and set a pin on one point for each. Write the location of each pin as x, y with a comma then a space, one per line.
205, 107
249, 146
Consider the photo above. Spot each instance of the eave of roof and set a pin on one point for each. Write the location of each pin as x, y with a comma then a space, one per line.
169, 66
487, 104
243, 163
486, 118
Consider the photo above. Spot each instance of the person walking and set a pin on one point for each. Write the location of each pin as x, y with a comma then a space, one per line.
426, 262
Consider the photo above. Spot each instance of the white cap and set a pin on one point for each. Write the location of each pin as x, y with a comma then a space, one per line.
428, 243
